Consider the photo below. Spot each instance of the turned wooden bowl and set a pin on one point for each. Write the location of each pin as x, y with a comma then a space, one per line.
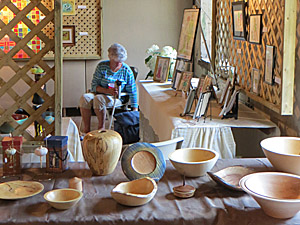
193, 162
135, 193
283, 153
277, 193
63, 198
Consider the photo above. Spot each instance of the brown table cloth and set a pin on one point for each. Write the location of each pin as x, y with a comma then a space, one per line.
212, 203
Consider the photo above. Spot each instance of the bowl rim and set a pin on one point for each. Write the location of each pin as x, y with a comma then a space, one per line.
279, 153
60, 189
201, 162
246, 189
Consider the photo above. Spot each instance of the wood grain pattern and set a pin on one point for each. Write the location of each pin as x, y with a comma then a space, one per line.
101, 150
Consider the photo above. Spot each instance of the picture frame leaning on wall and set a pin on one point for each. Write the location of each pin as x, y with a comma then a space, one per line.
188, 33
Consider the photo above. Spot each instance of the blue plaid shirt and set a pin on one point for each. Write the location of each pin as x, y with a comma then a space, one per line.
103, 76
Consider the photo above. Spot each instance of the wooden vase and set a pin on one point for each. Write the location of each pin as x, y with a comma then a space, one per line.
101, 150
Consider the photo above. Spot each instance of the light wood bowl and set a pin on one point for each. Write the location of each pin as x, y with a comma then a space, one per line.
63, 198
277, 193
135, 193
193, 162
283, 153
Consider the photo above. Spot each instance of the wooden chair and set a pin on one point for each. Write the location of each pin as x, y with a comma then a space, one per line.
169, 146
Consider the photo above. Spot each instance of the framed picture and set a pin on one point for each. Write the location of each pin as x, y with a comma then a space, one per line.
232, 101
189, 103
68, 7
177, 80
255, 29
188, 33
185, 81
238, 20
161, 70
270, 63
68, 36
204, 85
202, 105
255, 77
224, 91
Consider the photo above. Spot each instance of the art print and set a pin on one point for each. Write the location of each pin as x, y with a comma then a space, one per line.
188, 33
161, 69
185, 81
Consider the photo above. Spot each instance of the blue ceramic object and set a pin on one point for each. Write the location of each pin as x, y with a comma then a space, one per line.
153, 154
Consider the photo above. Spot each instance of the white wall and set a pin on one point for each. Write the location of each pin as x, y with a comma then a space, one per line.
136, 24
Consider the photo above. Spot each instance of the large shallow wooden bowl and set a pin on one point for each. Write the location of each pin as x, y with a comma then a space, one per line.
135, 193
283, 153
193, 162
277, 193
63, 198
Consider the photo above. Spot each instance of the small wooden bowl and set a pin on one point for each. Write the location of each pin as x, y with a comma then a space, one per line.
278, 194
193, 162
63, 198
135, 193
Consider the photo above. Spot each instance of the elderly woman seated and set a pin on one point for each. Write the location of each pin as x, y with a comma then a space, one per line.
102, 96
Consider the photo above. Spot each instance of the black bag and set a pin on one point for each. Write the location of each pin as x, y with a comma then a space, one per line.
127, 125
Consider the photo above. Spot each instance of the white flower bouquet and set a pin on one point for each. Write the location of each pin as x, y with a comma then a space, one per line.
154, 51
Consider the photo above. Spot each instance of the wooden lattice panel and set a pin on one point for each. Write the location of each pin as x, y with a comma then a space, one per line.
244, 55
22, 73
88, 20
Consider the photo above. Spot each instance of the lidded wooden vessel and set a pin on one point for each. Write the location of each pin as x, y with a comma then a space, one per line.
101, 150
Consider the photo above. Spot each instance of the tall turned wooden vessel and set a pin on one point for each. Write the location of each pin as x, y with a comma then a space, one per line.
101, 150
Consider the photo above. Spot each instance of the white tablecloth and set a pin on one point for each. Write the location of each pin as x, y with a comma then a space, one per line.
161, 109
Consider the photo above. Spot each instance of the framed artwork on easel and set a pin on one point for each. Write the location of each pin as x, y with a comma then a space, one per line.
185, 82
202, 104
188, 33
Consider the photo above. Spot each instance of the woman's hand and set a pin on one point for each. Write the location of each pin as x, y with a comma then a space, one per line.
110, 91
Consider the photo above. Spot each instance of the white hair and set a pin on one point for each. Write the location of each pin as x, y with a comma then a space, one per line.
117, 53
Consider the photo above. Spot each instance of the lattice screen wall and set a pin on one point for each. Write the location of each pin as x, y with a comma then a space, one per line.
252, 55
22, 71
85, 20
